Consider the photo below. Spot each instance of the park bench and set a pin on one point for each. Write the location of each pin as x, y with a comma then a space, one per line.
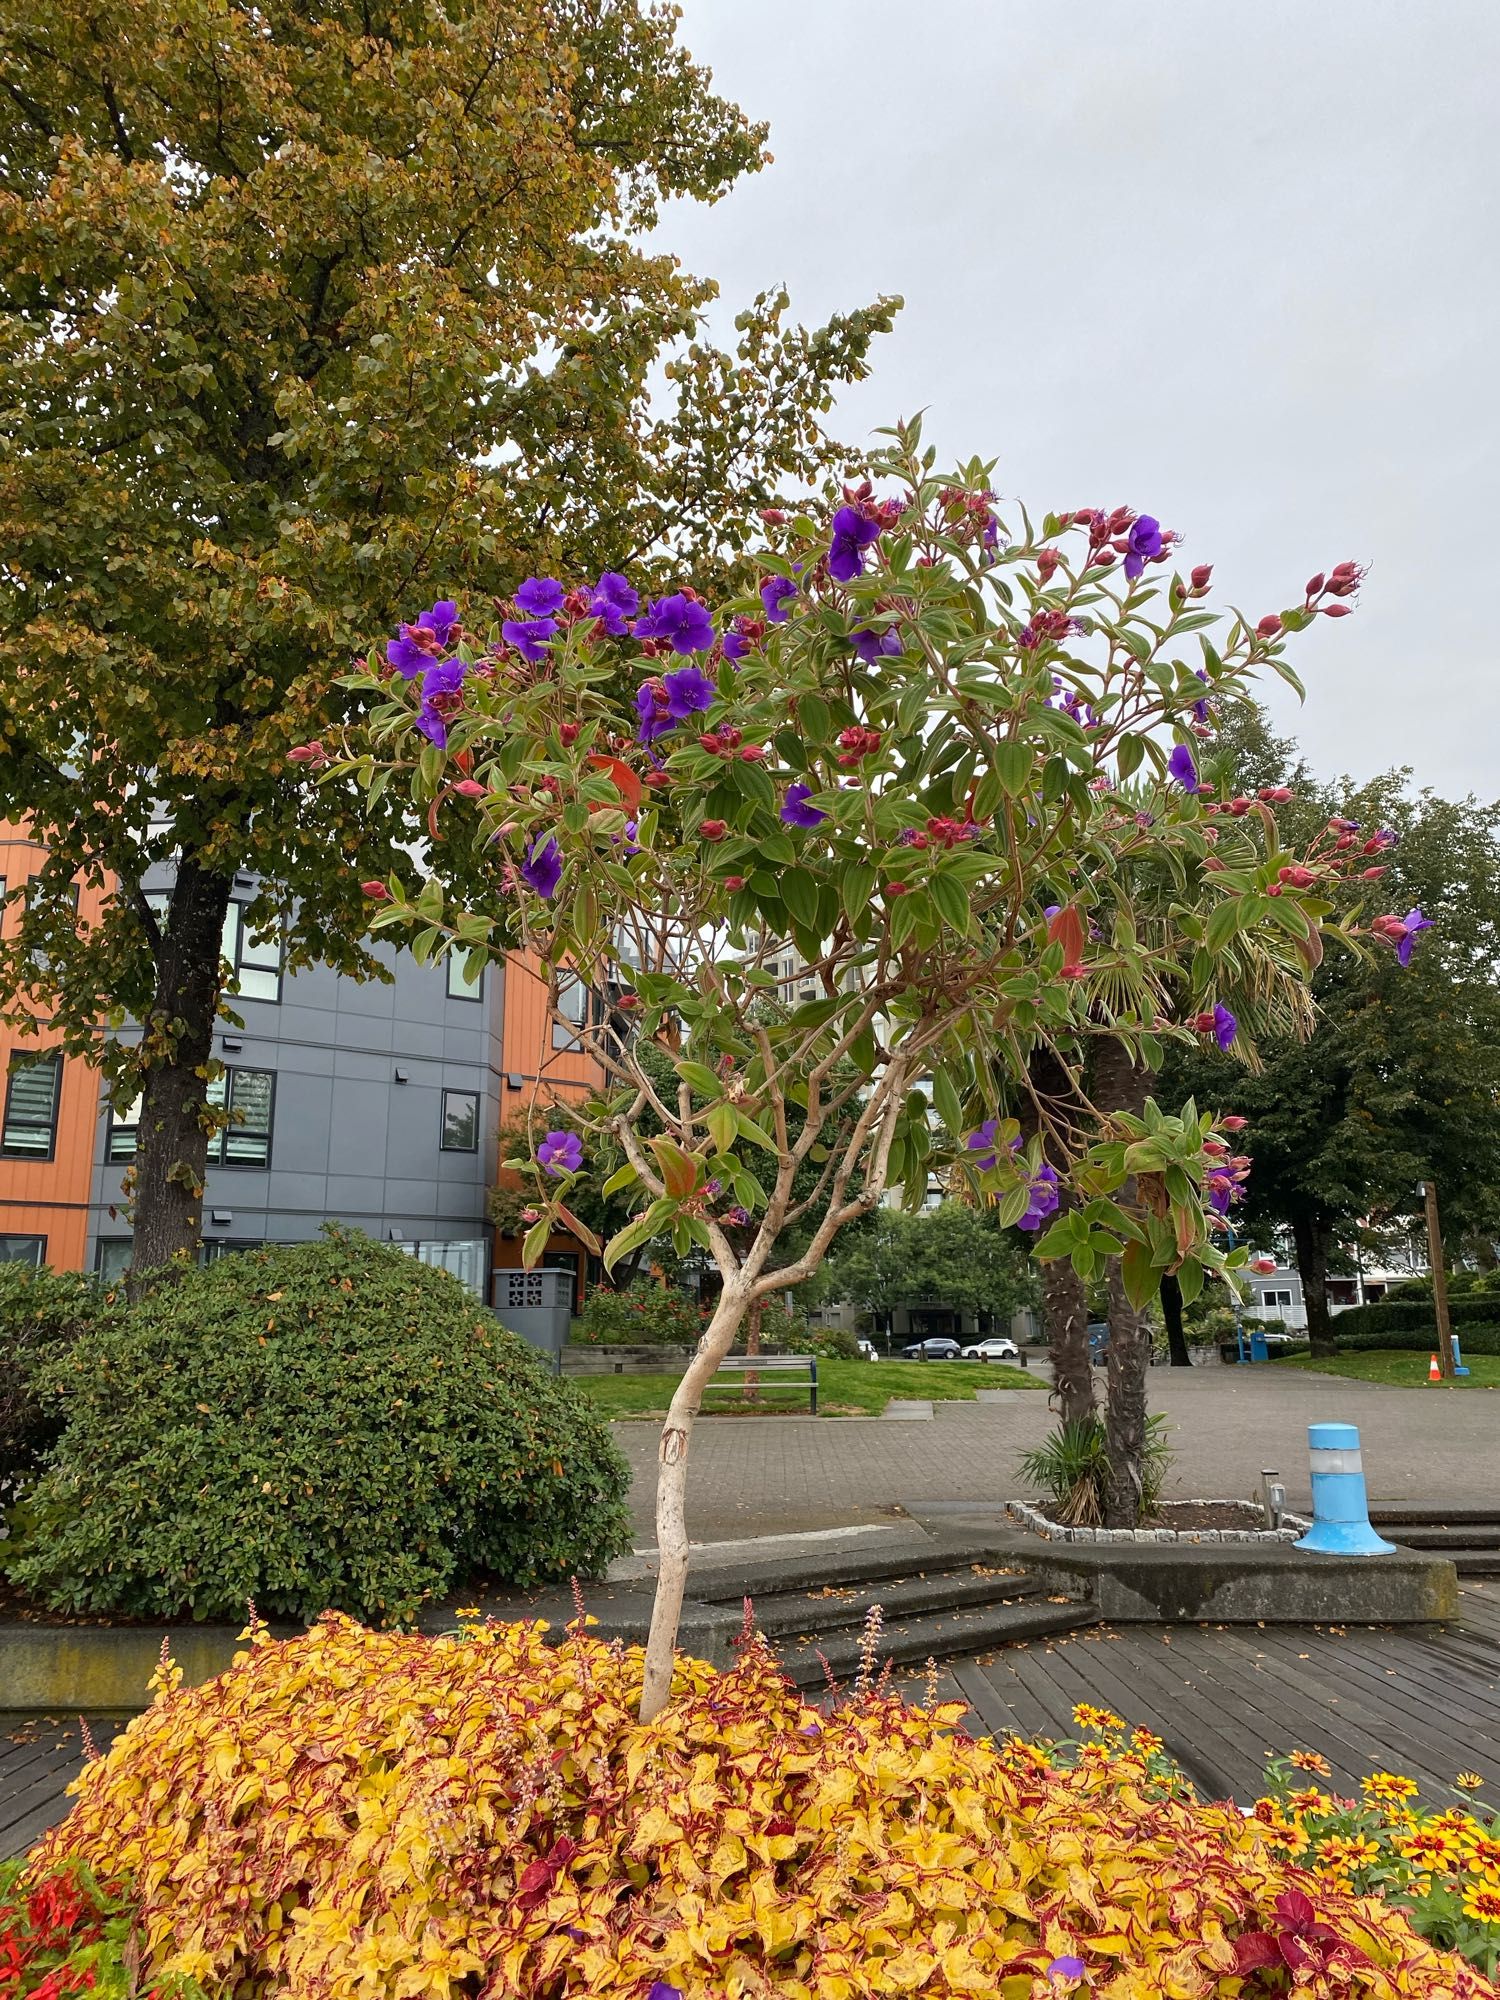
801, 1369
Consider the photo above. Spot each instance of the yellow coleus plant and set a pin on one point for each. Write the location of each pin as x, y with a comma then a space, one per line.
373, 1816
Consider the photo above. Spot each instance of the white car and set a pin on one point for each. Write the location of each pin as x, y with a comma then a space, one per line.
996, 1348
868, 1350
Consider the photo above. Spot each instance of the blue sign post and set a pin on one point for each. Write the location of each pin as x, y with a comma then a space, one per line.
1341, 1512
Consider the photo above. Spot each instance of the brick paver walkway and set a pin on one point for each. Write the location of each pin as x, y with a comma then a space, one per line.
772, 1475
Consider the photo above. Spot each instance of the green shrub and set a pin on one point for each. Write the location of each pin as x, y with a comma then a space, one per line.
646, 1315
1071, 1469
41, 1314
1414, 1317
1472, 1339
331, 1425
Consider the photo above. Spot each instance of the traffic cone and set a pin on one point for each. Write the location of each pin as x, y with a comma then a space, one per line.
1434, 1373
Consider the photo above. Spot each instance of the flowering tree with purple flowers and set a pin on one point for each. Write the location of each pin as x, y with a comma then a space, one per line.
842, 884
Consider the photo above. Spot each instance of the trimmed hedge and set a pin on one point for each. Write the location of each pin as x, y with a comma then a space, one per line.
1414, 1316
42, 1313
1472, 1339
329, 1425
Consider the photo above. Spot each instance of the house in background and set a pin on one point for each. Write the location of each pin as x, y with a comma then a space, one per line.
371, 1103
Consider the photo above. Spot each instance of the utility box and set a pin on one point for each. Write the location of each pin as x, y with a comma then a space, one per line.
537, 1305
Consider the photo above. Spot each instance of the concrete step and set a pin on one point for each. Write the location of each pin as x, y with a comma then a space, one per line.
836, 1607
1477, 1562
1446, 1541
1400, 1514
937, 1636
911, 1554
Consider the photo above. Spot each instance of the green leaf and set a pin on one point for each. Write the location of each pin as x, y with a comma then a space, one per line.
856, 887
723, 1127
1128, 754
799, 893
534, 1242
951, 899
622, 1177
1190, 1278
946, 1103
813, 719
700, 1078
1223, 924
1012, 762
1139, 1275
1013, 1206
640, 1229
748, 1129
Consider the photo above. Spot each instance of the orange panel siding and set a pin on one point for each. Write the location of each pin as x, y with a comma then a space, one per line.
545, 1072
49, 1198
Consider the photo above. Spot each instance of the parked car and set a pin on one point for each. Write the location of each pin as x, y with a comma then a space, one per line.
939, 1348
1098, 1341
868, 1351
996, 1348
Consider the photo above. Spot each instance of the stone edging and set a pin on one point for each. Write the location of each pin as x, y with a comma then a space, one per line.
1038, 1523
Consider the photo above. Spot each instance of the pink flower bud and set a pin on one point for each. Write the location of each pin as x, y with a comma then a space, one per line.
1200, 575
376, 891
713, 829
308, 753
734, 881
1233, 1124
567, 733
470, 788
1370, 874
1046, 562
773, 516
896, 889
1269, 626
1315, 584
752, 753
1337, 610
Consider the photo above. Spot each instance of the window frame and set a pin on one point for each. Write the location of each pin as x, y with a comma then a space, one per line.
590, 1016
41, 1250
476, 1098
459, 988
238, 963
12, 1070
220, 1139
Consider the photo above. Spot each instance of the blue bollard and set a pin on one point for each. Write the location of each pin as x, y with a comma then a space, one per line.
1341, 1513
1458, 1356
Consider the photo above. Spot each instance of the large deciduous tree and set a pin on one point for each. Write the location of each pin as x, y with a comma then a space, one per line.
302, 311
1400, 1081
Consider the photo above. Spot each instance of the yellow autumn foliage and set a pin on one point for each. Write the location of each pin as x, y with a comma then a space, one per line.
370, 1816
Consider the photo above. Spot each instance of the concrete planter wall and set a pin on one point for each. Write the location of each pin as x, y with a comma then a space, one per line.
1293, 1526
578, 1360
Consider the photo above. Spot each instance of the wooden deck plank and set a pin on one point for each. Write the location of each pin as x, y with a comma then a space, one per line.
1385, 1670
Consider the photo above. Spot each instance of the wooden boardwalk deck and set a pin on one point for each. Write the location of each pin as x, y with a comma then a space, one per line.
1223, 1698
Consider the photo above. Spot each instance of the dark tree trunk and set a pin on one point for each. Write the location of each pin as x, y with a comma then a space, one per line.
1171, 1312
1065, 1304
1314, 1240
172, 1146
1118, 1085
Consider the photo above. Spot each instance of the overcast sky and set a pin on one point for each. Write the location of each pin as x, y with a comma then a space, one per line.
1235, 265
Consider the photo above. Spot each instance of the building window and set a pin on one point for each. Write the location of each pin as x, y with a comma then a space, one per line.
255, 960
112, 1258
460, 1133
246, 1142
573, 1003
464, 1258
1276, 1298
461, 986
32, 1090
30, 1250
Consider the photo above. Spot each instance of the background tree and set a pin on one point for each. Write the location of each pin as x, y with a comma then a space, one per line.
953, 1255
866, 756
302, 311
1401, 1078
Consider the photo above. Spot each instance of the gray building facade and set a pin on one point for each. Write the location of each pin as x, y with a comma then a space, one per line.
363, 1102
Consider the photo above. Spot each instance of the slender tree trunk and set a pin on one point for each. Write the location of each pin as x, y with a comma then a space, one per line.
671, 1499
1171, 1312
1314, 1240
1065, 1302
172, 1146
1120, 1086
752, 1348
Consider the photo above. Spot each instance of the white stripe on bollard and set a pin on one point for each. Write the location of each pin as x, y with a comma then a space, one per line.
1323, 1460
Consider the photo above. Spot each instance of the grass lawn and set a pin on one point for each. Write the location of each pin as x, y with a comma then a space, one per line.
861, 1387
1402, 1370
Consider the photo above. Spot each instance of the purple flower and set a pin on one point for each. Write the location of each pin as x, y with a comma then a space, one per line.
853, 533
736, 645
689, 690
1146, 541
983, 1142
682, 621
1383, 837
652, 706
736, 1217
872, 646
542, 867
1226, 1027
420, 644
540, 597
774, 591
795, 811
1066, 1967
442, 681
560, 1153
660, 1990
528, 636
613, 601
1180, 766
1411, 923
625, 840
1045, 1195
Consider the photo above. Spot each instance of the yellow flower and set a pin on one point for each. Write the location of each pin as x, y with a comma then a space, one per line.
1482, 1902
1086, 1716
468, 1611
1387, 1785
1483, 1856
1146, 1742
1310, 1801
1431, 1846
1309, 1760
1469, 1781
1341, 1853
